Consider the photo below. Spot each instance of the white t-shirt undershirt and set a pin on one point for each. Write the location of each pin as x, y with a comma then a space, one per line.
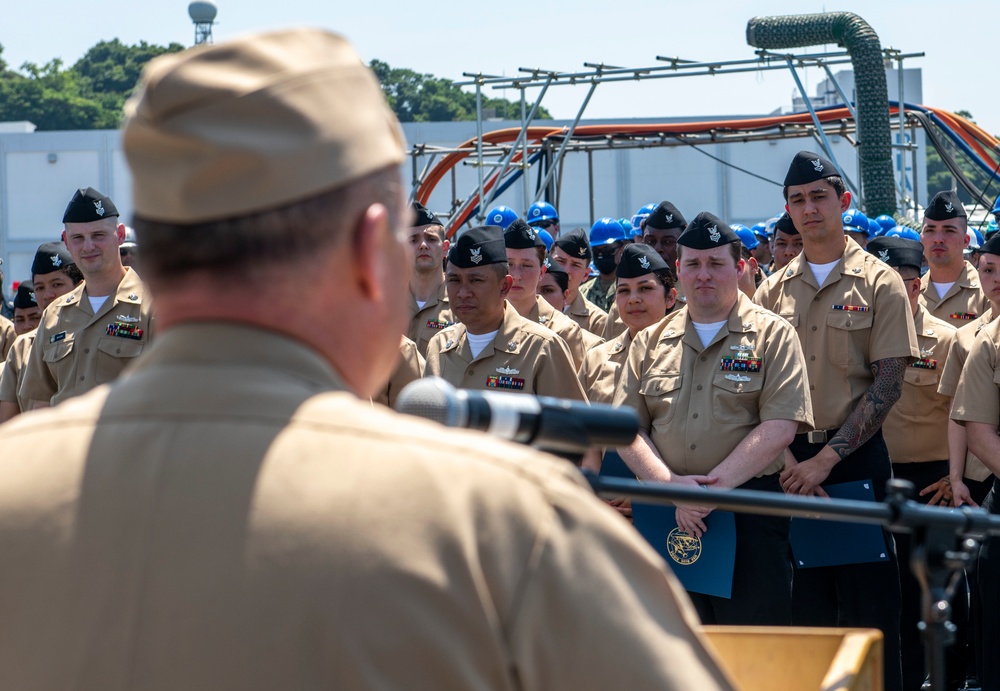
821, 271
96, 301
706, 332
479, 341
942, 288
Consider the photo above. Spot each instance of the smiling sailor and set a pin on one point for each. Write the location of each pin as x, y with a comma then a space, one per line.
91, 334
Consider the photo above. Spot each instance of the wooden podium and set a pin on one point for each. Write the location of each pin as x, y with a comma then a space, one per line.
773, 658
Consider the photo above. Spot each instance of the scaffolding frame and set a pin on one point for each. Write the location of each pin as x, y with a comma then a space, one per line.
551, 159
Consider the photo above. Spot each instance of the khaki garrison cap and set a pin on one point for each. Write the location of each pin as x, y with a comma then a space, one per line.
255, 124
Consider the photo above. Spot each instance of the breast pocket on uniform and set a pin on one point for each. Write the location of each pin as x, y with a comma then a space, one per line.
53, 353
736, 397
113, 355
661, 391
847, 336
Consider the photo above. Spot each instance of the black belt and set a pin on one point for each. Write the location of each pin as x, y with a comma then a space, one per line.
819, 436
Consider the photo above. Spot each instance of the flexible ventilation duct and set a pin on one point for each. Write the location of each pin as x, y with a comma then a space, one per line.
861, 42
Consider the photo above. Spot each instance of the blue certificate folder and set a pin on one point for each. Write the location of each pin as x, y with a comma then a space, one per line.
832, 543
702, 566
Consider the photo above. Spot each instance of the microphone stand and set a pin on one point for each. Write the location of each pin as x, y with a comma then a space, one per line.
944, 541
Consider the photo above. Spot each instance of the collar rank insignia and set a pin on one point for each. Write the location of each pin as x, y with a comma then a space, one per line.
962, 315
507, 370
125, 331
618, 347
949, 207
127, 319
817, 165
737, 377
99, 207
583, 251
133, 296
450, 343
670, 218
512, 345
495, 382
669, 333
644, 262
714, 234
856, 269
883, 255
747, 325
476, 255
542, 319
788, 273
929, 332
55, 338
56, 260
69, 299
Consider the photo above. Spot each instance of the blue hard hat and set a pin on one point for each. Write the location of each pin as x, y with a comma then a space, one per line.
747, 236
874, 228
903, 232
541, 211
606, 231
546, 237
626, 226
760, 230
855, 221
886, 221
639, 216
975, 239
996, 206
501, 216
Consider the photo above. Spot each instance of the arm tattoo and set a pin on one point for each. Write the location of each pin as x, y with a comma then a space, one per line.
878, 400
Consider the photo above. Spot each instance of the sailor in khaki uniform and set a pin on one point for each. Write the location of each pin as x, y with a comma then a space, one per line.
232, 513
409, 369
89, 336
851, 314
645, 291
572, 251
950, 289
977, 408
53, 274
428, 298
971, 481
552, 289
493, 347
720, 388
27, 313
916, 434
526, 264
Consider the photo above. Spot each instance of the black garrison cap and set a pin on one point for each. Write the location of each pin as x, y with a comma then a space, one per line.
423, 217
945, 205
50, 257
809, 166
707, 231
575, 243
88, 205
639, 260
666, 216
478, 247
896, 251
520, 236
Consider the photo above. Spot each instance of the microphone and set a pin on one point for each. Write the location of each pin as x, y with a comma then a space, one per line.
556, 425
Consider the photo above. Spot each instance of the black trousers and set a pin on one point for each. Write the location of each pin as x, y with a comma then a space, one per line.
989, 596
911, 642
857, 595
762, 572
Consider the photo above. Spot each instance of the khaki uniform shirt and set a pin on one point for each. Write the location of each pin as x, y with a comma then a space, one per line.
916, 428
428, 320
227, 516
568, 330
7, 336
602, 369
589, 316
409, 369
13, 371
977, 398
964, 301
76, 349
861, 314
524, 357
614, 326
698, 403
959, 353
595, 295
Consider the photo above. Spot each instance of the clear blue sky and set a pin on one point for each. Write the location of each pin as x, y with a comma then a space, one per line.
447, 38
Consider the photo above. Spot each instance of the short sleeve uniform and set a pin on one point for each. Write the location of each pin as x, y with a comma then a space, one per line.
13, 371
860, 315
568, 330
916, 428
76, 350
409, 368
698, 403
7, 335
588, 315
428, 320
602, 369
964, 301
524, 357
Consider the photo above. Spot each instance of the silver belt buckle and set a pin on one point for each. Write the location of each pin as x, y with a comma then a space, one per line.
817, 436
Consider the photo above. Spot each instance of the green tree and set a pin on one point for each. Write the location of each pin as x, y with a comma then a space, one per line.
419, 97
